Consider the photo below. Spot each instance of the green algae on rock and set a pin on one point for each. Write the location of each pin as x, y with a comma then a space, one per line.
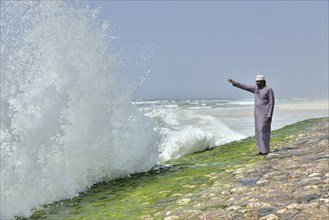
200, 185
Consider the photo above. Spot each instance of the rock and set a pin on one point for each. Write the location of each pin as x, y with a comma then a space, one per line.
249, 182
294, 206
265, 211
147, 217
177, 194
324, 200
173, 217
281, 211
212, 215
230, 200
314, 174
262, 181
239, 171
167, 200
311, 187
313, 205
217, 183
249, 214
207, 195
199, 205
233, 208
191, 212
189, 186
259, 205
292, 184
183, 201
270, 217
229, 171
211, 175
307, 198
307, 181
239, 189
168, 213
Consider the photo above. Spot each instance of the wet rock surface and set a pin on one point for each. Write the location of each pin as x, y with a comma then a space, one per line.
292, 182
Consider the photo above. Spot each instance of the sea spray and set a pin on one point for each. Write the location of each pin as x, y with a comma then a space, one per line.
187, 127
66, 117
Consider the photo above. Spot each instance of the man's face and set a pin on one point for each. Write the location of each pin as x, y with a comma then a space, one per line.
260, 83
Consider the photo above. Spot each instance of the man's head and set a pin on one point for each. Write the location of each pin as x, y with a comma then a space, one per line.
260, 81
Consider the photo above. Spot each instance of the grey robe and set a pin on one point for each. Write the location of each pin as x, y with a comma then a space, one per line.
263, 111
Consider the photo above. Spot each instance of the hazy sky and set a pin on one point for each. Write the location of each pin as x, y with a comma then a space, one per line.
190, 48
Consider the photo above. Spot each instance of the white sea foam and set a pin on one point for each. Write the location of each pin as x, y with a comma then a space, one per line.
185, 130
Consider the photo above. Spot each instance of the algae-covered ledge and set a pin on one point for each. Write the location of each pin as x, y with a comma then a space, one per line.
292, 181
223, 182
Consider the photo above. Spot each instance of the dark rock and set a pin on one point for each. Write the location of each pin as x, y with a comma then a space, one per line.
308, 198
265, 211
250, 182
320, 157
167, 200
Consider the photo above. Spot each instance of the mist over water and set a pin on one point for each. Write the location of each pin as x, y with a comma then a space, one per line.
66, 116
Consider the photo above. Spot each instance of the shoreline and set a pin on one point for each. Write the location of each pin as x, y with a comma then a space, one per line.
219, 183
257, 187
291, 183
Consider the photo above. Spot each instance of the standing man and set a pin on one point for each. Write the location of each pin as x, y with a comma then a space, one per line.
263, 111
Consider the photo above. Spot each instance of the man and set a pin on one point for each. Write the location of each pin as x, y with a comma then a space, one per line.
263, 111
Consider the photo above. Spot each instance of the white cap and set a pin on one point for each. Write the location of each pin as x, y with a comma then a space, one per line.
260, 77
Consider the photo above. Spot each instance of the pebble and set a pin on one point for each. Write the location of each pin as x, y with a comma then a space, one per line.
261, 181
307, 198
314, 174
281, 211
324, 200
295, 206
173, 217
259, 204
189, 186
177, 194
199, 205
233, 208
183, 201
168, 213
311, 187
270, 217
207, 195
239, 189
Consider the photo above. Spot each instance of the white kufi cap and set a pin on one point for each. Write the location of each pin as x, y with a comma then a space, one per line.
260, 77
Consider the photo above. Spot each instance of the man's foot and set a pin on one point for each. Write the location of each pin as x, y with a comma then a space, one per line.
261, 154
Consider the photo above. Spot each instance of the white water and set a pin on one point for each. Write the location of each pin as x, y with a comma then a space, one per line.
188, 126
67, 120
66, 117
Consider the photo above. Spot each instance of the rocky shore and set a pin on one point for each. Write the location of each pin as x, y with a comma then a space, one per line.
292, 182
226, 182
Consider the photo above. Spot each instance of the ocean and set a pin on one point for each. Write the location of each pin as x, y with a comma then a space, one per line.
67, 117
187, 126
